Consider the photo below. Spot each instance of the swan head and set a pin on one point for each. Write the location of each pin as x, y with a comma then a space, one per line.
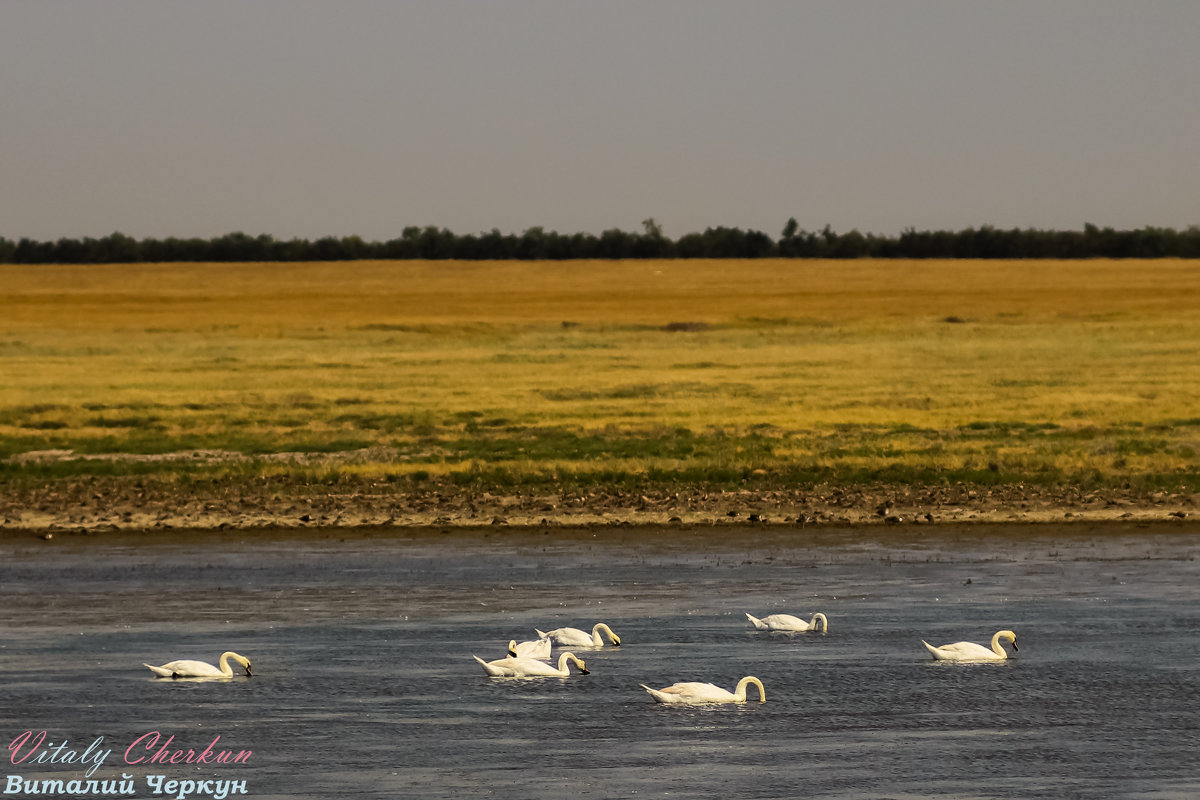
512, 648
245, 662
1010, 636
612, 637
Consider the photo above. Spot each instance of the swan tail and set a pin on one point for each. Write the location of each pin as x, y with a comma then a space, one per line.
658, 696
495, 672
932, 650
756, 622
541, 634
159, 671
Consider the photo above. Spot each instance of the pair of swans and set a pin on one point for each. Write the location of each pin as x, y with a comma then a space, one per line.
786, 622
573, 637
971, 652
185, 668
696, 694
513, 667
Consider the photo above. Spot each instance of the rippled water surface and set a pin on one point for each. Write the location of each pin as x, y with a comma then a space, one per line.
364, 685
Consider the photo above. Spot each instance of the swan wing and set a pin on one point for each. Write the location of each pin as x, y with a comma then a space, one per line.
708, 693
533, 667
661, 695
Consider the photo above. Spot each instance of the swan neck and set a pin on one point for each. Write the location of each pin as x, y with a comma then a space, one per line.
824, 622
746, 682
223, 664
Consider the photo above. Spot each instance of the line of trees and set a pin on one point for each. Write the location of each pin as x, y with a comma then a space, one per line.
539, 244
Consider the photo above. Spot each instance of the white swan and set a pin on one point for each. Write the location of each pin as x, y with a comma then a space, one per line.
573, 637
532, 667
969, 651
786, 622
539, 648
199, 669
694, 694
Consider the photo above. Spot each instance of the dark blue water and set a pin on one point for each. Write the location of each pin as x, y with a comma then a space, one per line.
364, 685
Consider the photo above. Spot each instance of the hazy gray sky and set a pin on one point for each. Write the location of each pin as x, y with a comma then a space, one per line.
301, 118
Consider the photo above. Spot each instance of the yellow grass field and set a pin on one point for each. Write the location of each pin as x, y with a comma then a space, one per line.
780, 369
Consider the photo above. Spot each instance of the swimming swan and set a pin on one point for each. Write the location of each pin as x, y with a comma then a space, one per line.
694, 694
786, 622
535, 649
573, 637
969, 651
531, 667
199, 669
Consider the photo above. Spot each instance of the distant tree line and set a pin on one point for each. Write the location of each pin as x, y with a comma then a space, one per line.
431, 242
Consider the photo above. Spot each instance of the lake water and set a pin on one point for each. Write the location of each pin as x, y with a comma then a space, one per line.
364, 685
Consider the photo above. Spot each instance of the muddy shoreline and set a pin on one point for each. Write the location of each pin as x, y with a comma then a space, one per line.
97, 505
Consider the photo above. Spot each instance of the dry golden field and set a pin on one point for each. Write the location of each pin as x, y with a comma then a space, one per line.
774, 373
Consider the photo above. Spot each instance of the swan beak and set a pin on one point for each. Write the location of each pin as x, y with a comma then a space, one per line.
584, 671
1014, 644
512, 653
249, 674
616, 642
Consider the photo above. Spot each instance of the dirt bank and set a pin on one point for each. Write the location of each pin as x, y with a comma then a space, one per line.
105, 504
